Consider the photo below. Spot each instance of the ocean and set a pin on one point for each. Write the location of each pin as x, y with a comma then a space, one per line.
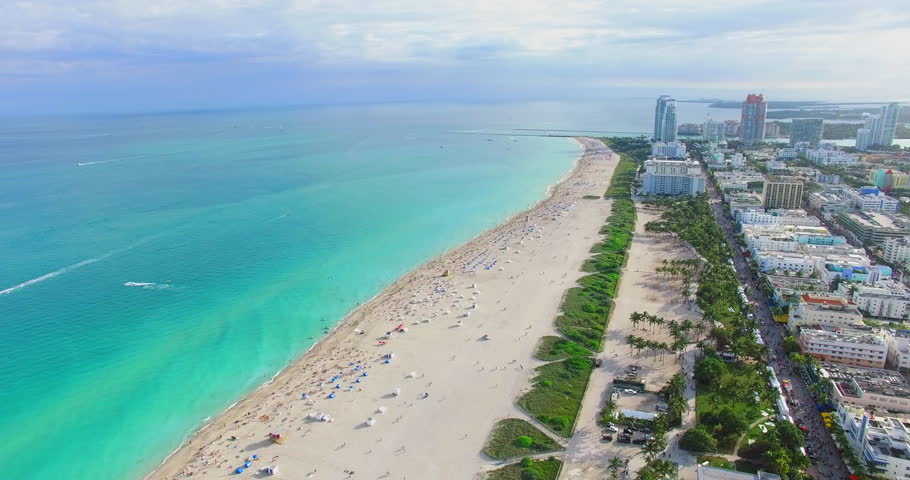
156, 267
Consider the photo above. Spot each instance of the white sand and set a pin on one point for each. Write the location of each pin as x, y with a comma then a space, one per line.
471, 382
640, 290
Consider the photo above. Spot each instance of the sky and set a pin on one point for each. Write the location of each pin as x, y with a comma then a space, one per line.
129, 55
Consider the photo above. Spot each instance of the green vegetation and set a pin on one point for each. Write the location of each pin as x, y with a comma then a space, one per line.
557, 392
514, 437
632, 152
717, 462
552, 348
779, 450
591, 197
727, 405
528, 469
698, 439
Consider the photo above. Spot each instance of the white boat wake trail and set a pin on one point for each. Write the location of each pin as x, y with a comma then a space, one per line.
70, 268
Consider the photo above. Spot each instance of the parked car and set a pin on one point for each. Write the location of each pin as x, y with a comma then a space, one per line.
624, 439
611, 429
606, 438
639, 441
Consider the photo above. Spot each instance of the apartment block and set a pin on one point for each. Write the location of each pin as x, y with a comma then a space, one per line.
857, 348
782, 192
672, 177
888, 299
896, 250
872, 228
870, 199
825, 311
867, 387
882, 441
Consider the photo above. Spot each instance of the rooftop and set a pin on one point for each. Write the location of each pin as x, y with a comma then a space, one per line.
826, 300
879, 220
842, 337
876, 381
714, 473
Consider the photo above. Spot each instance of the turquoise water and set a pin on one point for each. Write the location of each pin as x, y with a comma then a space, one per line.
157, 267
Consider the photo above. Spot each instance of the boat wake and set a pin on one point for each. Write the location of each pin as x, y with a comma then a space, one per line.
82, 164
57, 273
148, 285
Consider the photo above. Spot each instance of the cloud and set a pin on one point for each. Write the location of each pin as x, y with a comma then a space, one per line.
809, 44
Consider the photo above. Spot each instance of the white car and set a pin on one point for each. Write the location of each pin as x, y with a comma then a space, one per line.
629, 391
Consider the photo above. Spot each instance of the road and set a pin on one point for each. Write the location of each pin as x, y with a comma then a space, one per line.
830, 465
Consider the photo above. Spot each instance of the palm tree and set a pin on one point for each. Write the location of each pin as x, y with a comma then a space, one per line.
615, 466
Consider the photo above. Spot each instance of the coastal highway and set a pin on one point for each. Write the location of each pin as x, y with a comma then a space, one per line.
829, 465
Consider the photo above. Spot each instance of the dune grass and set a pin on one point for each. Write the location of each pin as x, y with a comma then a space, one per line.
546, 469
552, 348
555, 398
504, 443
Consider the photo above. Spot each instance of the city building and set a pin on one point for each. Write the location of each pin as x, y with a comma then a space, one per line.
738, 160
866, 387
772, 130
889, 300
689, 129
887, 179
826, 311
880, 441
827, 203
787, 153
784, 261
753, 119
712, 131
788, 289
896, 250
870, 199
672, 177
863, 139
855, 347
855, 269
731, 128
807, 130
740, 201
831, 158
827, 178
885, 125
782, 192
874, 227
898, 348
779, 217
714, 473
665, 119
669, 149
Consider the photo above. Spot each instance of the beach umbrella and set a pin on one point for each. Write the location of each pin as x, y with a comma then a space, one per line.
364, 374
255, 457
388, 361
247, 464
381, 409
332, 395
371, 421
396, 391
239, 470
357, 381
412, 374
337, 385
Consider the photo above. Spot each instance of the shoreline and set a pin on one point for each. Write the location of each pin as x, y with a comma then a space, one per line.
187, 459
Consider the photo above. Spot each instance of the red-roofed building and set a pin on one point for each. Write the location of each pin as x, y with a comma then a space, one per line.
824, 310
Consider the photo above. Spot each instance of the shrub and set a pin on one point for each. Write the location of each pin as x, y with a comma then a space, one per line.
698, 439
526, 462
532, 473
524, 441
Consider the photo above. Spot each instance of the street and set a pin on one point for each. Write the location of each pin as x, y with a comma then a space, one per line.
830, 465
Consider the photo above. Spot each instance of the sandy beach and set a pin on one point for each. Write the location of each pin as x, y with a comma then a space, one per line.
345, 406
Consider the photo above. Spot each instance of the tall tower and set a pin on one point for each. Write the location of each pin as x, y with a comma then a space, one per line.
753, 119
665, 119
887, 125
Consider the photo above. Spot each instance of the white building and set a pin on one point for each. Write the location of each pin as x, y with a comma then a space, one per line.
863, 139
858, 348
825, 311
866, 386
737, 161
881, 441
888, 299
779, 217
898, 348
669, 149
782, 261
787, 153
896, 250
870, 199
833, 158
672, 177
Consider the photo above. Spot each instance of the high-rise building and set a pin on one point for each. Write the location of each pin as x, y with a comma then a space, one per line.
806, 130
782, 192
753, 119
863, 139
713, 131
672, 177
772, 130
731, 128
887, 125
665, 119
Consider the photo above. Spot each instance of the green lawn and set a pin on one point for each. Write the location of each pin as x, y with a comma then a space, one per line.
547, 469
556, 395
551, 348
718, 462
503, 442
